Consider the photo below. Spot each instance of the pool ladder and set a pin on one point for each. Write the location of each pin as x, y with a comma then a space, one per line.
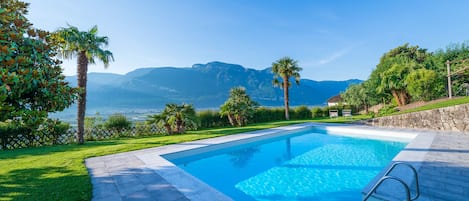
386, 176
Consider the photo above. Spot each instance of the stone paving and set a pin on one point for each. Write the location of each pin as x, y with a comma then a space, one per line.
444, 173
125, 177
442, 160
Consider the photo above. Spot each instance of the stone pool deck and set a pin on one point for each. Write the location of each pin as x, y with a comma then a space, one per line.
442, 160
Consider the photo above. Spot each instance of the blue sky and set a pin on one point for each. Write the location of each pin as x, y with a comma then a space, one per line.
332, 40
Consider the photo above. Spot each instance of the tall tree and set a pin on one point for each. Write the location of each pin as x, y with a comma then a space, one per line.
358, 95
286, 68
388, 79
86, 46
239, 107
32, 83
393, 79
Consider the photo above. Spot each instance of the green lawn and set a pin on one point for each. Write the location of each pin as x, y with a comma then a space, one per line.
59, 173
450, 102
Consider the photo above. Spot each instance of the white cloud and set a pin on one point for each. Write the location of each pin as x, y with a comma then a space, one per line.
334, 56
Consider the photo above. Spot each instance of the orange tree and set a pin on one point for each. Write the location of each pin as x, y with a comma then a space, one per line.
32, 83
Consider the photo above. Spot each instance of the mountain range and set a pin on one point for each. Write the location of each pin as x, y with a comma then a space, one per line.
204, 85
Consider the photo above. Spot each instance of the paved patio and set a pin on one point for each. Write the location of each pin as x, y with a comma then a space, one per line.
442, 160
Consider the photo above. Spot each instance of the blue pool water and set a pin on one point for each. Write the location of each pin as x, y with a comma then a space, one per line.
308, 165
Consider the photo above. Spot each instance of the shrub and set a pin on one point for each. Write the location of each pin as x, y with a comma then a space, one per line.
51, 130
388, 109
10, 130
301, 112
211, 119
117, 122
317, 112
264, 114
94, 122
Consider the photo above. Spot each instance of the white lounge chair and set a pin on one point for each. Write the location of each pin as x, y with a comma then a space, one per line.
347, 113
333, 113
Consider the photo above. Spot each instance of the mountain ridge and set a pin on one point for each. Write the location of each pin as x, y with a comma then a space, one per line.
204, 85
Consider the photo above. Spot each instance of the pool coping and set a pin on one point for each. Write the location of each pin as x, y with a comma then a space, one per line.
114, 177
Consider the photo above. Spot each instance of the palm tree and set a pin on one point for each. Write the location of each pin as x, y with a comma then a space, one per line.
239, 107
86, 46
161, 120
286, 68
183, 116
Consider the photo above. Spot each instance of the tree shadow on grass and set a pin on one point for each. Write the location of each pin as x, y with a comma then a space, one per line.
46, 150
48, 183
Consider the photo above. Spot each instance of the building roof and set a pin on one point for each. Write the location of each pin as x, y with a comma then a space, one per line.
335, 99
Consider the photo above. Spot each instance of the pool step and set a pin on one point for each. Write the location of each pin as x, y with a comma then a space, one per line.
378, 197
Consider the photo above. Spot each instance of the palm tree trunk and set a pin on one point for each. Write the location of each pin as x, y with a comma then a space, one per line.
168, 128
179, 126
396, 97
286, 97
403, 96
232, 119
82, 70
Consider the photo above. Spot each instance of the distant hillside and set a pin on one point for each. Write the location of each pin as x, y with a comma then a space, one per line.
204, 85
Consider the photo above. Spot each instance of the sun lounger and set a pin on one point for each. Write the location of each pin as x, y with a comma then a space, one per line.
333, 113
347, 113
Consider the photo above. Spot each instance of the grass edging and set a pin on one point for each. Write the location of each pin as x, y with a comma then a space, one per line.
447, 103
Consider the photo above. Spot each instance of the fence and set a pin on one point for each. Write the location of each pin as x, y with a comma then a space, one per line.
41, 138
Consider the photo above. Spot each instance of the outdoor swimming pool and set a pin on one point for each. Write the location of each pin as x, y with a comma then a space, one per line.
306, 165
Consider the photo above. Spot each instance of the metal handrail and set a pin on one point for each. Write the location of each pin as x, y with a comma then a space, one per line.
406, 187
386, 176
417, 193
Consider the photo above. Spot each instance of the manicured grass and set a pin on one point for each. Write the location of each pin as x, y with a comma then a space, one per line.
59, 173
450, 102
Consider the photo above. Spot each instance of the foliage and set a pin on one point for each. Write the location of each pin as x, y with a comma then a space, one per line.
393, 79
286, 68
86, 46
15, 134
94, 121
422, 84
211, 119
117, 122
176, 118
411, 73
388, 79
10, 130
264, 114
457, 53
317, 112
302, 112
239, 107
388, 109
32, 83
54, 128
359, 95
160, 120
